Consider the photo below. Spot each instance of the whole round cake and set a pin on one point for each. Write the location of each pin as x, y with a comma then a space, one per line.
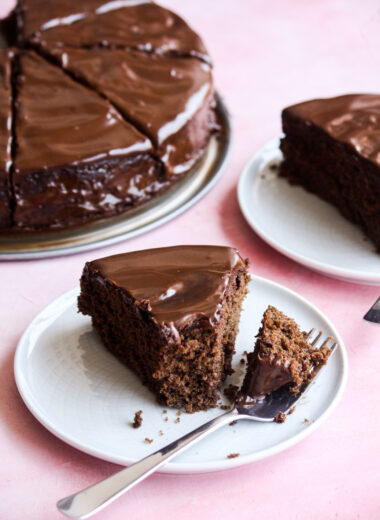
103, 105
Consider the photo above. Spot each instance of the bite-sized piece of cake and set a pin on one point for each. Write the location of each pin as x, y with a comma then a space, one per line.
171, 315
282, 356
135, 24
332, 148
76, 158
5, 136
137, 84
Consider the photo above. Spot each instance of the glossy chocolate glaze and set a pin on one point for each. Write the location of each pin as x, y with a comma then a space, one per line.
137, 84
176, 284
60, 122
352, 119
139, 25
35, 15
75, 156
69, 196
5, 135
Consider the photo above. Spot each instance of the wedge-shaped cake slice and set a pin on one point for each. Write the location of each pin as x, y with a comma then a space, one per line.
170, 100
171, 315
5, 137
282, 356
76, 157
332, 148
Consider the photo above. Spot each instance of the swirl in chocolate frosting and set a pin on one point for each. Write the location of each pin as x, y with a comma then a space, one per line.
177, 284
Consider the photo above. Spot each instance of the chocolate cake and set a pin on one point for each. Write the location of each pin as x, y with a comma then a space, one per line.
282, 356
109, 104
184, 83
79, 164
171, 315
332, 148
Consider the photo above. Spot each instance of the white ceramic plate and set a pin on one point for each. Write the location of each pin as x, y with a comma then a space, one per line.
301, 225
83, 395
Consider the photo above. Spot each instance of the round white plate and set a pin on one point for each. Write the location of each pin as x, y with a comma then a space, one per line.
301, 225
83, 395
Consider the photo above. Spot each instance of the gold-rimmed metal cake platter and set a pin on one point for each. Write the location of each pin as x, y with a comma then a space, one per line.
183, 195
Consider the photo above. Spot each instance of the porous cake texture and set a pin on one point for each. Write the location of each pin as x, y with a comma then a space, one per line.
282, 356
171, 315
332, 148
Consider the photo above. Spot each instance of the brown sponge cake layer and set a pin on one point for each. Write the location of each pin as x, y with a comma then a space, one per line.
181, 349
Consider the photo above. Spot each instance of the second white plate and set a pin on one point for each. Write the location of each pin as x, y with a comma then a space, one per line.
301, 225
83, 395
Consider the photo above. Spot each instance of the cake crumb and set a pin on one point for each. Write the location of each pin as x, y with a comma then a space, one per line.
224, 407
137, 421
233, 455
232, 423
164, 411
231, 391
161, 433
242, 361
166, 419
177, 420
245, 353
273, 167
291, 410
148, 441
178, 413
280, 418
306, 420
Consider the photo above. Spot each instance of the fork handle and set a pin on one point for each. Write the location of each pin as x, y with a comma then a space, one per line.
90, 500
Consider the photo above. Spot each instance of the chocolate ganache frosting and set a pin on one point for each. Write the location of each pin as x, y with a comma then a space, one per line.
109, 104
177, 284
137, 85
136, 24
353, 119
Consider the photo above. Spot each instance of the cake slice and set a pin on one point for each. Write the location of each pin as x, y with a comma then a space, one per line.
137, 83
76, 158
5, 137
171, 315
332, 148
282, 356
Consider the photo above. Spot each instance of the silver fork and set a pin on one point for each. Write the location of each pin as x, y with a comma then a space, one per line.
94, 498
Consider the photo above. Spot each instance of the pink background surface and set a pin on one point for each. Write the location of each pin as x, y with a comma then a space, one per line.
267, 55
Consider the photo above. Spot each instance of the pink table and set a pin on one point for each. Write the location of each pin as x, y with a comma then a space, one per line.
267, 55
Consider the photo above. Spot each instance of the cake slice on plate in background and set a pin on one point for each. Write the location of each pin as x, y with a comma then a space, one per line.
332, 148
171, 315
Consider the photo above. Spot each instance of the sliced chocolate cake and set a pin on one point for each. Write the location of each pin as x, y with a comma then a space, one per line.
332, 148
5, 137
171, 315
76, 157
137, 84
282, 356
112, 102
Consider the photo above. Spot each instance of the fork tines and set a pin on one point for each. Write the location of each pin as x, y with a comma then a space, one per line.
314, 340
